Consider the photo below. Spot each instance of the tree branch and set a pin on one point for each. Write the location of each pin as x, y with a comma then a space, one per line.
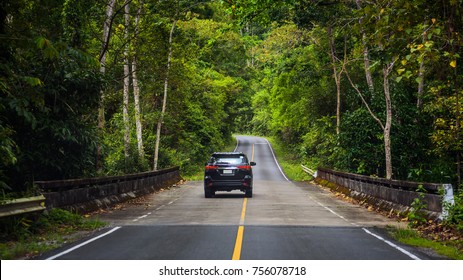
363, 99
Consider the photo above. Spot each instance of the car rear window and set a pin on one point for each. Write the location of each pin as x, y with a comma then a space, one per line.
227, 159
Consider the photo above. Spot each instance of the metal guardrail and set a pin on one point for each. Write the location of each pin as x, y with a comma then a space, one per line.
311, 172
22, 206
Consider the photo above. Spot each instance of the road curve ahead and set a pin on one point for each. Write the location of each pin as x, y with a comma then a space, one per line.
282, 221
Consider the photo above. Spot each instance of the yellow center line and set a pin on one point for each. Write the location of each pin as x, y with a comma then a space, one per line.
239, 235
238, 244
243, 211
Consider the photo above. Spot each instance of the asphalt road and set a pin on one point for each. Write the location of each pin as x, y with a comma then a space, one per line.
282, 221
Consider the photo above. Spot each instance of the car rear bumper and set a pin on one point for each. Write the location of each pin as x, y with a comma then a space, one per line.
228, 185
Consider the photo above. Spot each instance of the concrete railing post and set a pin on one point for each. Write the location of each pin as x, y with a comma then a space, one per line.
447, 200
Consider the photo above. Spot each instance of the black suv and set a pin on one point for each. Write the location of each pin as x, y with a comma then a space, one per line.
227, 172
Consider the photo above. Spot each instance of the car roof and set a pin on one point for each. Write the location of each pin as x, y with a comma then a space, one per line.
228, 153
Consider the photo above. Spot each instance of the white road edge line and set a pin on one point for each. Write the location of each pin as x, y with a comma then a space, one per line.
276, 161
392, 245
237, 144
333, 212
141, 217
273, 154
83, 244
412, 256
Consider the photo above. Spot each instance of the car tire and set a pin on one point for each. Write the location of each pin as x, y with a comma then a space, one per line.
248, 193
208, 193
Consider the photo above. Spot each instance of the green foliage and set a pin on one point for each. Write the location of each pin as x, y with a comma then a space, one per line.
295, 90
115, 161
416, 216
455, 212
262, 11
238, 66
364, 150
290, 165
207, 93
412, 237
8, 151
49, 130
25, 226
49, 90
262, 116
319, 147
29, 235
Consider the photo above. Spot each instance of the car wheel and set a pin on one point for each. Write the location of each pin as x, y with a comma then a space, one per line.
208, 193
248, 193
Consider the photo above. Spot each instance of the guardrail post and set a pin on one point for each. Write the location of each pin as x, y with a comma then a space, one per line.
447, 200
310, 171
22, 206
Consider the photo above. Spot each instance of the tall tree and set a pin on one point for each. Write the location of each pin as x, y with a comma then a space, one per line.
366, 52
164, 99
309, 14
126, 86
136, 88
337, 73
107, 25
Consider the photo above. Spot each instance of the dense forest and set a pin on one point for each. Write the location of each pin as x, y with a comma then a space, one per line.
101, 87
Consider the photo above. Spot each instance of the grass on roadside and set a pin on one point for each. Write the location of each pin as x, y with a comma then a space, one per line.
28, 236
291, 166
412, 237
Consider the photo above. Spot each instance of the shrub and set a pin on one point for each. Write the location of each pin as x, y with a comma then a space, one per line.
455, 212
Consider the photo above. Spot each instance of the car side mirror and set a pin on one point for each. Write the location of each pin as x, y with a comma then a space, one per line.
252, 163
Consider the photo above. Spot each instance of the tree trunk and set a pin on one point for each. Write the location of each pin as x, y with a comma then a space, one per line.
136, 97
366, 55
104, 48
337, 78
164, 101
457, 128
125, 109
366, 62
387, 126
136, 94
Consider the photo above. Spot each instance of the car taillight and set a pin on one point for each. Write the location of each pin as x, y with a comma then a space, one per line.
246, 167
211, 167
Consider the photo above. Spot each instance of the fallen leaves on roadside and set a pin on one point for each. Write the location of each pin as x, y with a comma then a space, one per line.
442, 233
